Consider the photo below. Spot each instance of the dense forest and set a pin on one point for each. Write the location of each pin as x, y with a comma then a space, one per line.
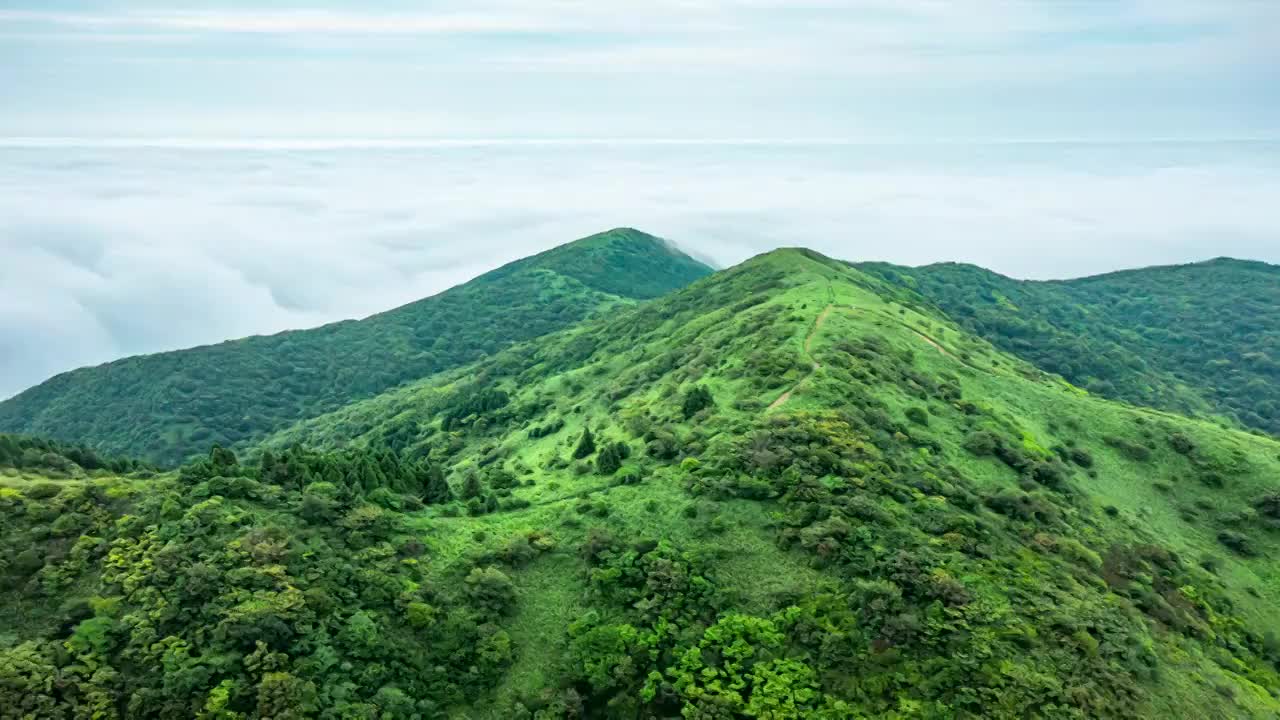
49, 457
167, 406
1195, 339
777, 493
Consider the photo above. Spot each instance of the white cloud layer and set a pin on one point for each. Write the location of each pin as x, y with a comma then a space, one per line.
111, 251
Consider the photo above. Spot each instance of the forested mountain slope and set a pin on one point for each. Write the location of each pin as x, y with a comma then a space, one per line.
164, 407
777, 493
43, 457
1199, 339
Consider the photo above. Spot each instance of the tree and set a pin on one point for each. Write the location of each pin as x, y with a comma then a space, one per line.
266, 466
436, 490
611, 457
586, 445
471, 487
489, 588
222, 460
697, 399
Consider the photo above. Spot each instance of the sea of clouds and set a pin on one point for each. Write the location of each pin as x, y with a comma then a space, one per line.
113, 250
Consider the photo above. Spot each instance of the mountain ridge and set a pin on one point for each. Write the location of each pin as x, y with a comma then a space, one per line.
1200, 338
194, 407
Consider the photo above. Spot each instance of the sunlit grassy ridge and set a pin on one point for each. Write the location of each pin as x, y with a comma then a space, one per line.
167, 406
789, 490
1115, 477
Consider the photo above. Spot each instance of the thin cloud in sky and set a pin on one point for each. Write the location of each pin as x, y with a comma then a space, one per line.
288, 22
666, 68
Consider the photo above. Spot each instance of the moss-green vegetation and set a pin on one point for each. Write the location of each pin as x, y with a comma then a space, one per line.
1196, 339
777, 493
49, 458
167, 406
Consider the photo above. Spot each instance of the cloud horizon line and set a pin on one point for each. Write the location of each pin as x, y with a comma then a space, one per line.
340, 142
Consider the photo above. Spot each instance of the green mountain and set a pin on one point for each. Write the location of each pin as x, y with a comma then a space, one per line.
166, 406
780, 492
1200, 339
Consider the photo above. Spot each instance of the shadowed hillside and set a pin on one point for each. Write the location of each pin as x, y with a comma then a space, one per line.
166, 406
1200, 339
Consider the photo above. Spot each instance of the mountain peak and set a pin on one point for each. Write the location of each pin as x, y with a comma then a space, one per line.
622, 261
618, 237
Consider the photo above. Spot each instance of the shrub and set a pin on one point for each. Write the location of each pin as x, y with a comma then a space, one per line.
1211, 479
43, 491
1269, 505
917, 415
1181, 444
586, 445
27, 562
1128, 448
695, 400
552, 427
387, 498
611, 457
489, 588
982, 443
420, 614
514, 504
1080, 457
1238, 542
70, 524
1051, 474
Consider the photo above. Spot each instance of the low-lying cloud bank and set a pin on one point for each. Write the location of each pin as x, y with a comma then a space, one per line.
117, 251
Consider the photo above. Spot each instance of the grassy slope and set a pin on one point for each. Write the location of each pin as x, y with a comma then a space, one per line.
166, 406
1198, 339
742, 334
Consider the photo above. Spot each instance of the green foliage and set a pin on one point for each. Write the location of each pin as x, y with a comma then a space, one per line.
695, 400
1200, 338
436, 490
167, 406
268, 604
473, 403
612, 457
586, 445
52, 457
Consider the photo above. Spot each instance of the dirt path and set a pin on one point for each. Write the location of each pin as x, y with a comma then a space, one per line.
808, 346
934, 343
937, 346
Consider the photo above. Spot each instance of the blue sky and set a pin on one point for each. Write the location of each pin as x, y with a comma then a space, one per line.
864, 69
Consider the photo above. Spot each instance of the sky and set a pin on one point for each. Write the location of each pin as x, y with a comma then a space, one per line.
173, 175
861, 69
